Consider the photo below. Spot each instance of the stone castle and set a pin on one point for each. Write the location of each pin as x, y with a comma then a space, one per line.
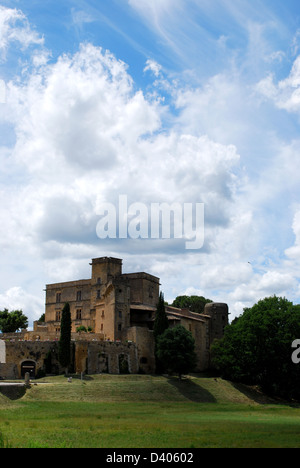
119, 311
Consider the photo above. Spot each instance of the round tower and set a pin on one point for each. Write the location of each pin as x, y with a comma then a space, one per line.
218, 312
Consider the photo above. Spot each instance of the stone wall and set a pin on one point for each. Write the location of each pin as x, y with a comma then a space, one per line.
144, 340
112, 358
77, 294
91, 357
199, 331
21, 352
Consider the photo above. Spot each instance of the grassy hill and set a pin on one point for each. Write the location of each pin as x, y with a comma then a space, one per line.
142, 388
140, 411
3, 400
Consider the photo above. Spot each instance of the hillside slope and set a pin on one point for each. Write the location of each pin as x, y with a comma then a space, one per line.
141, 388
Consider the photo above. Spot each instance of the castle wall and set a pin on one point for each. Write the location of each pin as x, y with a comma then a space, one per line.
112, 358
199, 331
78, 295
89, 357
144, 340
17, 353
144, 288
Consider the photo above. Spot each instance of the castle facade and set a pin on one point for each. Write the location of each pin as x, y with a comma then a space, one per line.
119, 311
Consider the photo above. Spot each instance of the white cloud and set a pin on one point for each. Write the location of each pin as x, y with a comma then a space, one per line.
14, 27
16, 298
78, 113
286, 93
153, 66
2, 92
294, 251
260, 286
83, 129
81, 17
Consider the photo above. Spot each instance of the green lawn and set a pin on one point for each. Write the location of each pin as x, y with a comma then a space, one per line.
145, 412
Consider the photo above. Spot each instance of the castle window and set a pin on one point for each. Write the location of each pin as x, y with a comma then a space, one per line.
98, 280
101, 326
58, 316
102, 314
78, 314
78, 296
120, 314
98, 294
58, 297
119, 327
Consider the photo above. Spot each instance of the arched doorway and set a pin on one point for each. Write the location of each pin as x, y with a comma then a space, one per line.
28, 366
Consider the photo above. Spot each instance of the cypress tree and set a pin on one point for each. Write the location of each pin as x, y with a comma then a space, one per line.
64, 346
161, 323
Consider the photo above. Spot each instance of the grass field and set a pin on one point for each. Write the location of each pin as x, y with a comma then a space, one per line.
138, 411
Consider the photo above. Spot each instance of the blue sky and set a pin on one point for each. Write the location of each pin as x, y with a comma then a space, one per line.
187, 101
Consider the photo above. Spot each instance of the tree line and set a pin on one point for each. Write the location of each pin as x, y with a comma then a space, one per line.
257, 348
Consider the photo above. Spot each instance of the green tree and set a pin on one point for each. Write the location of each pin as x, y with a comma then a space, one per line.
176, 349
161, 323
10, 322
256, 347
194, 303
64, 346
80, 329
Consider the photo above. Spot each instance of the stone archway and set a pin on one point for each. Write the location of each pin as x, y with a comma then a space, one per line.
28, 366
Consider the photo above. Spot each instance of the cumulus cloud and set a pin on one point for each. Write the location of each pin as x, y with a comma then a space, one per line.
261, 286
85, 136
285, 93
81, 110
16, 298
153, 66
294, 251
14, 27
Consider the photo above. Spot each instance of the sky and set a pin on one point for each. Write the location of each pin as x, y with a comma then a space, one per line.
159, 101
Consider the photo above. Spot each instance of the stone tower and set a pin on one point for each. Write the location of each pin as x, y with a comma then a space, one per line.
219, 319
109, 298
